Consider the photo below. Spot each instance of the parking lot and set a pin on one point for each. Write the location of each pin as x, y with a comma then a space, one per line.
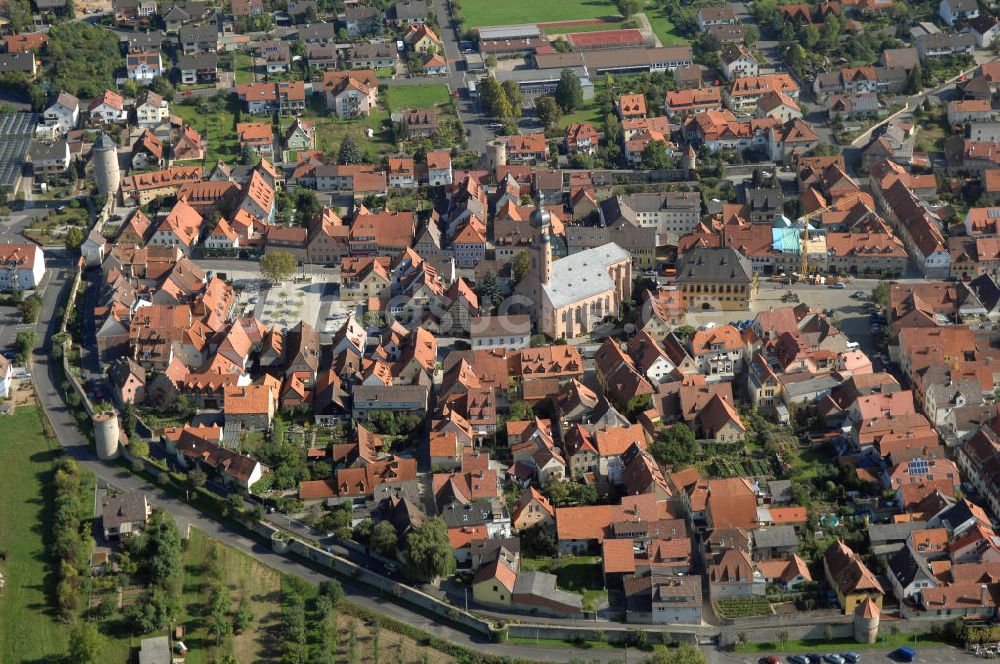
849, 313
925, 655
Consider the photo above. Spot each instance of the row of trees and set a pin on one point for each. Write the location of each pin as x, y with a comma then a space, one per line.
71, 544
502, 100
222, 621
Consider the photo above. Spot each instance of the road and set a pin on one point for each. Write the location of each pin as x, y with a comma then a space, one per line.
914, 101
74, 444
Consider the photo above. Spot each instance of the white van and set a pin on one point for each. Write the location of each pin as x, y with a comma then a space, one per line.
853, 345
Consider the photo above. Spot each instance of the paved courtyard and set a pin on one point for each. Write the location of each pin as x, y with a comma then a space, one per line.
310, 298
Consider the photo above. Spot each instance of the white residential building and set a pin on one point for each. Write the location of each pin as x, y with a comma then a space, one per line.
63, 113
22, 266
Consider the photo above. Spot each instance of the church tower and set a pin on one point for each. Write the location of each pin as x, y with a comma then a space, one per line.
542, 220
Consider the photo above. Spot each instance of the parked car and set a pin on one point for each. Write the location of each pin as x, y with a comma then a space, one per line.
798, 659
769, 659
851, 657
903, 654
839, 285
833, 658
859, 295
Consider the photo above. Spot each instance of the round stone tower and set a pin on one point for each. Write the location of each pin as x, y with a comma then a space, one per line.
106, 434
690, 160
105, 165
496, 153
866, 621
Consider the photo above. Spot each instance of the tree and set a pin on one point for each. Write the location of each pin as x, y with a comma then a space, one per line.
520, 266
333, 590
520, 411
162, 87
569, 92
74, 238
880, 294
234, 503
278, 266
307, 206
243, 618
196, 477
629, 8
674, 446
428, 553
84, 644
809, 36
548, 111
349, 152
24, 342
683, 654
384, 540
219, 624
247, 154
795, 56
490, 61
138, 447
30, 308
489, 291
513, 93
612, 129
655, 157
751, 33
915, 79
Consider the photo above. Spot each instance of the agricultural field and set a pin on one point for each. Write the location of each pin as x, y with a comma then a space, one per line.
247, 580
403, 97
479, 13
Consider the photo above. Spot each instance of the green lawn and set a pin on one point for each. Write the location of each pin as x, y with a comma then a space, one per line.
663, 26
591, 112
330, 131
218, 127
480, 13
243, 66
401, 97
28, 629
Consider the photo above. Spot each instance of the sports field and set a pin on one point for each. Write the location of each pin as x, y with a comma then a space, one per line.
479, 13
